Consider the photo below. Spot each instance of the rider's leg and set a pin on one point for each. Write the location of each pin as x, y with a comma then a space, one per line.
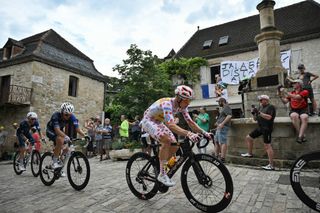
57, 148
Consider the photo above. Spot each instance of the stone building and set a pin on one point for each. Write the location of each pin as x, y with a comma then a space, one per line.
235, 41
40, 72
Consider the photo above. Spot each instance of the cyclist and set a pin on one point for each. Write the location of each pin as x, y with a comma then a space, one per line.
158, 121
24, 136
55, 131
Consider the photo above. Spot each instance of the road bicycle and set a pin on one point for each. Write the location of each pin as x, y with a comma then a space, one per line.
78, 167
205, 180
305, 179
32, 157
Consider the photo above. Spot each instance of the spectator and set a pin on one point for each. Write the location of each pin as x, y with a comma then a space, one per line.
135, 129
101, 147
306, 78
124, 129
223, 123
89, 125
264, 115
299, 108
36, 138
3, 136
203, 120
146, 141
107, 136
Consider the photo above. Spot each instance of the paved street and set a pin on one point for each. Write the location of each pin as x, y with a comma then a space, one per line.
254, 191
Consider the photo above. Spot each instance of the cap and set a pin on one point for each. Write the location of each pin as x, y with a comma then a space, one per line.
297, 81
301, 66
260, 97
221, 99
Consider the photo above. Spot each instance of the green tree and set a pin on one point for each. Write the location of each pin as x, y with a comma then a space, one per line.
188, 68
141, 82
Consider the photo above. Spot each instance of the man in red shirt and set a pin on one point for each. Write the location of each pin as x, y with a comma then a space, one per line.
299, 108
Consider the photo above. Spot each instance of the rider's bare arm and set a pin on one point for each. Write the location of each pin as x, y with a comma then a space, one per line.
176, 129
80, 132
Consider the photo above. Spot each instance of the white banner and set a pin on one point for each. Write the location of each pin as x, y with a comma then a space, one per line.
232, 72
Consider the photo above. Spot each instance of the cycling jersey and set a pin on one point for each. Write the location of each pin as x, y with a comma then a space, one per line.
160, 113
24, 131
57, 121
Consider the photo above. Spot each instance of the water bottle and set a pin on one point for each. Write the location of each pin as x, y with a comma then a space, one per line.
172, 161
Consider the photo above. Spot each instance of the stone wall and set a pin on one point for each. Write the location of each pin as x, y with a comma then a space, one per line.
284, 144
49, 89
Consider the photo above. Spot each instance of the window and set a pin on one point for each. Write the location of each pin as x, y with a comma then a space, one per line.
215, 70
73, 86
223, 40
207, 44
7, 53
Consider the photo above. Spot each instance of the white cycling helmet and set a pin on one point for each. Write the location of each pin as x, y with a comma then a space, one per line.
32, 115
67, 108
184, 92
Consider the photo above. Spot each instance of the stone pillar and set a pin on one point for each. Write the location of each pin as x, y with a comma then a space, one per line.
270, 73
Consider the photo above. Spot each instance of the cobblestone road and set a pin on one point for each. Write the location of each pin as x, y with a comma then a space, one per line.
254, 191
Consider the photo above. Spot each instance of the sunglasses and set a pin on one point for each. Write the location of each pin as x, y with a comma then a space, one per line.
66, 114
33, 119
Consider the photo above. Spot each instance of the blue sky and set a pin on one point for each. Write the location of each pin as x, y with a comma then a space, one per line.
104, 29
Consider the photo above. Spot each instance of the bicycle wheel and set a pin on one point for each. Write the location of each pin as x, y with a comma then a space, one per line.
305, 179
35, 163
207, 183
78, 170
141, 176
16, 163
47, 175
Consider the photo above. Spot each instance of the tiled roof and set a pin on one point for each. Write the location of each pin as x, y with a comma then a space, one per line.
298, 22
49, 47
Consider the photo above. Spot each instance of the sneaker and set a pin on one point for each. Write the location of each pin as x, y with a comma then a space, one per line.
22, 168
62, 174
56, 165
247, 155
299, 140
268, 167
165, 180
304, 139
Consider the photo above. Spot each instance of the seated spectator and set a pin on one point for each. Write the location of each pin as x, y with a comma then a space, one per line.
299, 108
264, 115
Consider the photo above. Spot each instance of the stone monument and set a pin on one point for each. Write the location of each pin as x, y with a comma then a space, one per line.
270, 73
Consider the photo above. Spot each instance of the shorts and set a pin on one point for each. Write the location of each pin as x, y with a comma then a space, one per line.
156, 129
259, 131
108, 143
221, 135
100, 145
299, 111
310, 90
52, 136
144, 142
22, 142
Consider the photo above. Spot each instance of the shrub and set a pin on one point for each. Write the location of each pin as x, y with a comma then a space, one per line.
133, 145
117, 145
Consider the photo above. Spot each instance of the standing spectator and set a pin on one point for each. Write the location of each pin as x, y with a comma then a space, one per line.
135, 129
223, 123
107, 136
264, 115
203, 120
36, 138
306, 78
101, 147
299, 108
124, 129
89, 125
3, 136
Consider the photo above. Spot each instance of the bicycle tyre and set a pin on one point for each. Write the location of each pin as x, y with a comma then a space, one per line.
221, 173
74, 160
16, 163
139, 179
300, 165
45, 169
35, 162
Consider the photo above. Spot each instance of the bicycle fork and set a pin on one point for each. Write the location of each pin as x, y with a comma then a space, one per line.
203, 179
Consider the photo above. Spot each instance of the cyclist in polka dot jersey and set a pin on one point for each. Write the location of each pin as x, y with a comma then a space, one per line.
158, 121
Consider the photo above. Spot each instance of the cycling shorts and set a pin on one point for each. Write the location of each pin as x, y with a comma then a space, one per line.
156, 129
